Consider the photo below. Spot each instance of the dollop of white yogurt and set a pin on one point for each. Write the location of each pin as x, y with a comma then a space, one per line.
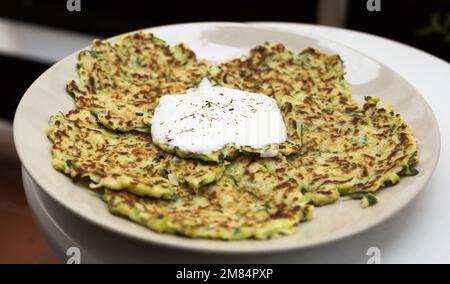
208, 118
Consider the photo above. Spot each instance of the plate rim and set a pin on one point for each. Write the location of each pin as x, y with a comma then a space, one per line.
235, 249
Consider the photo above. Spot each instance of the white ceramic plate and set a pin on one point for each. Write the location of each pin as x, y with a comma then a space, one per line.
223, 41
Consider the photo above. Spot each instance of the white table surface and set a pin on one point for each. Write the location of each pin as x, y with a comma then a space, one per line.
418, 234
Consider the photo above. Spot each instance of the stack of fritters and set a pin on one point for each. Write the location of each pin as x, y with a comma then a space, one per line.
335, 147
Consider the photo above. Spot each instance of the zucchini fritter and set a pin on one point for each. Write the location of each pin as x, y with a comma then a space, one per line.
267, 202
84, 148
346, 149
120, 82
273, 70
